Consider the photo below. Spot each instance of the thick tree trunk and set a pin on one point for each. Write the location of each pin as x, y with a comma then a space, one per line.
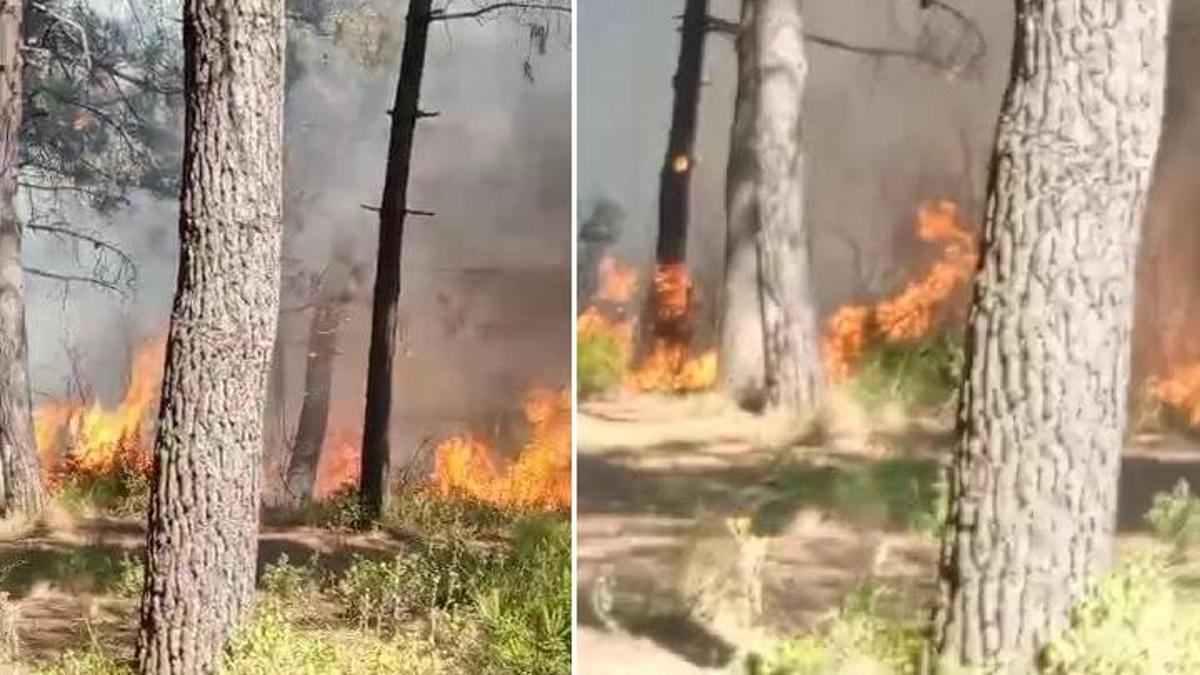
21, 488
1043, 407
314, 411
376, 454
740, 355
791, 343
202, 536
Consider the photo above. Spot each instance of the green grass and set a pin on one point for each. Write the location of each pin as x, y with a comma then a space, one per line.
897, 493
917, 375
600, 363
122, 493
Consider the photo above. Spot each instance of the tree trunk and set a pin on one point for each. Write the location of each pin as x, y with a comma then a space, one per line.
314, 411
202, 535
1043, 407
740, 355
21, 488
677, 167
791, 343
275, 422
376, 454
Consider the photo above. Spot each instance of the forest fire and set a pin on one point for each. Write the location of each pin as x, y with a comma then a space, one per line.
340, 463
669, 366
1180, 391
909, 315
94, 440
539, 477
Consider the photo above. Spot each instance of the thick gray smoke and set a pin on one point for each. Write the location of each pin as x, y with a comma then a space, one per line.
486, 296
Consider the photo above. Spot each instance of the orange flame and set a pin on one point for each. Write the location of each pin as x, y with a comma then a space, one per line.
539, 477
617, 282
98, 441
909, 315
339, 464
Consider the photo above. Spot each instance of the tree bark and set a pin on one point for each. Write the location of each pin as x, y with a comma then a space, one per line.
314, 411
740, 356
21, 488
376, 454
768, 199
202, 535
1043, 407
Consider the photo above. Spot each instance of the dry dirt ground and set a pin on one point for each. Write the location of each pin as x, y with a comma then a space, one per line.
650, 466
56, 575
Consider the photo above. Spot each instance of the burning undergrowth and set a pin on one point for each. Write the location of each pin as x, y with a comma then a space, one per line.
104, 455
606, 330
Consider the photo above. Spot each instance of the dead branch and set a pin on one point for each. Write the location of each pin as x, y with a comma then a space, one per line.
442, 15
69, 279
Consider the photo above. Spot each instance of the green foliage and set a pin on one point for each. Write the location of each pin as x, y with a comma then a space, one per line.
1135, 621
1174, 517
123, 493
898, 493
857, 638
130, 576
340, 511
600, 363
526, 609
430, 515
293, 583
441, 574
91, 660
917, 375
90, 568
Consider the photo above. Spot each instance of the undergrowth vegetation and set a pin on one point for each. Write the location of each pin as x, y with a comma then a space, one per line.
476, 590
600, 363
917, 375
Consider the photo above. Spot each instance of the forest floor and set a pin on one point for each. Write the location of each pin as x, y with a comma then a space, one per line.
844, 501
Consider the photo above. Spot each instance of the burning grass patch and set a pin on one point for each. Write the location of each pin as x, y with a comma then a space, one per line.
917, 375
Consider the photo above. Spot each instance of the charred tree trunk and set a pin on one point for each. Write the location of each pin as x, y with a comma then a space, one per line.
791, 344
741, 343
675, 179
672, 323
21, 488
1043, 407
376, 453
314, 411
201, 542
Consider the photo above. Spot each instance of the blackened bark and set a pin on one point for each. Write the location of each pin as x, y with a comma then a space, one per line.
21, 489
314, 411
675, 179
376, 453
1043, 407
791, 343
201, 542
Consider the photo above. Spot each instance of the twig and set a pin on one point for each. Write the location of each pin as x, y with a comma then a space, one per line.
71, 278
442, 15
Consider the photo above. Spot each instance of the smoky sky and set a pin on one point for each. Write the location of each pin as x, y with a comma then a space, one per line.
494, 167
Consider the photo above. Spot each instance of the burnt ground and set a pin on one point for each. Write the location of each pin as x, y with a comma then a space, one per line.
649, 466
61, 576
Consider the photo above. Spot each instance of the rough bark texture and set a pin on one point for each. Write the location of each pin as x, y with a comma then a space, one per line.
314, 411
741, 344
376, 454
791, 343
20, 480
1043, 407
202, 535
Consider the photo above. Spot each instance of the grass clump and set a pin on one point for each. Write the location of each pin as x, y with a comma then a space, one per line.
859, 637
1135, 621
918, 375
899, 493
600, 362
1174, 517
430, 515
123, 493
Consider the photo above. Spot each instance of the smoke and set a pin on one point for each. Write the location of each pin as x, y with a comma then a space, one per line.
494, 167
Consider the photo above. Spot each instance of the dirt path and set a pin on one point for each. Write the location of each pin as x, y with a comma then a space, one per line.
650, 466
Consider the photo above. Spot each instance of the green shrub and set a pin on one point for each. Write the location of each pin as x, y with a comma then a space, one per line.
1135, 621
431, 515
440, 575
600, 362
526, 609
281, 579
123, 493
856, 638
341, 511
917, 375
130, 576
1174, 517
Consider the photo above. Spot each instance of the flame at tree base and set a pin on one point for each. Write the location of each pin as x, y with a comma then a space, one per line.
540, 476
